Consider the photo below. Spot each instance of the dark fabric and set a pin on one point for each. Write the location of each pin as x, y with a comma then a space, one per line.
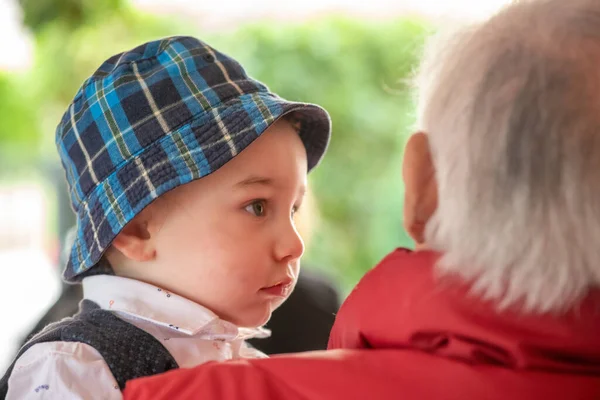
128, 351
304, 321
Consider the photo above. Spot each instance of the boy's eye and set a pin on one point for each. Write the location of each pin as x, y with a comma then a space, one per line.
256, 208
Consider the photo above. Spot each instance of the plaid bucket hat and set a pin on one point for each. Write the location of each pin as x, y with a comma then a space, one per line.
158, 116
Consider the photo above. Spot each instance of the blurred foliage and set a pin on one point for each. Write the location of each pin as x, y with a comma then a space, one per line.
69, 13
16, 125
355, 69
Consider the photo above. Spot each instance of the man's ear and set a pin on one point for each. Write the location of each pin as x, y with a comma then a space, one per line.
420, 186
135, 241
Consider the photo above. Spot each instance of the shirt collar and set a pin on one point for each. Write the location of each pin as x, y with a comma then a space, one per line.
161, 307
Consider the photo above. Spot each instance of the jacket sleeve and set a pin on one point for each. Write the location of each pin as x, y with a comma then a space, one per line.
358, 374
336, 374
62, 370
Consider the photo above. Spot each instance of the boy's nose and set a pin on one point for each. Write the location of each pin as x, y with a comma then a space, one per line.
289, 244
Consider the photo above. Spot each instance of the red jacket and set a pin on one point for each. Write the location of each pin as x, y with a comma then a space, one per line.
402, 334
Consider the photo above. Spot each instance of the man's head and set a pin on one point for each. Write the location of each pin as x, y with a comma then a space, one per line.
505, 179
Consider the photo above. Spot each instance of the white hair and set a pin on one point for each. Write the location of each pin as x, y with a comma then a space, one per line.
511, 108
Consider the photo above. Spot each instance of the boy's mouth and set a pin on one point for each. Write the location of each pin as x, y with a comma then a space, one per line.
282, 289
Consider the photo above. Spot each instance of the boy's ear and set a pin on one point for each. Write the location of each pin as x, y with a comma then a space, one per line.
420, 186
135, 241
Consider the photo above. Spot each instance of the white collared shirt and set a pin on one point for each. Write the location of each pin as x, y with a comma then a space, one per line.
191, 333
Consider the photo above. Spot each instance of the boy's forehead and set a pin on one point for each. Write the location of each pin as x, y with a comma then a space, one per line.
278, 154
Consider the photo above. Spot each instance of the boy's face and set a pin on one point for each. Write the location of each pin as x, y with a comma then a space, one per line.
228, 241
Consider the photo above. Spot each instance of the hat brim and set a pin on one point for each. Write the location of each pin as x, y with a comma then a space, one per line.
189, 152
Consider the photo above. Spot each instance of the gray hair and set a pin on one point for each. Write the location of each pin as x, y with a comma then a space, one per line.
511, 107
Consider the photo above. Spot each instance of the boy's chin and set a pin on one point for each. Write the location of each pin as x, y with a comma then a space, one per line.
256, 320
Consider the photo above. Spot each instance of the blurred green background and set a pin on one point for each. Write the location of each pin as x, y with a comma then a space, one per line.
356, 69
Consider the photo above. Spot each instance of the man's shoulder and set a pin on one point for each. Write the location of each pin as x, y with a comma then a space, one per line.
399, 268
400, 279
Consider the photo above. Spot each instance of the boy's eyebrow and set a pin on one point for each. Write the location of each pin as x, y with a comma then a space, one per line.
255, 180
263, 181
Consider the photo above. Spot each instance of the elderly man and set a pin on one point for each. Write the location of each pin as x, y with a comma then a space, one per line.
500, 300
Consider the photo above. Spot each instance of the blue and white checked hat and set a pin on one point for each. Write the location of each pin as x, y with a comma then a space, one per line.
156, 117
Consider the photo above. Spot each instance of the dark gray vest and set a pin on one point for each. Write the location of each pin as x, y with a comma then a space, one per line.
129, 351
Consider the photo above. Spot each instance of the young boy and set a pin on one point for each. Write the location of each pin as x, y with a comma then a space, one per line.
172, 278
